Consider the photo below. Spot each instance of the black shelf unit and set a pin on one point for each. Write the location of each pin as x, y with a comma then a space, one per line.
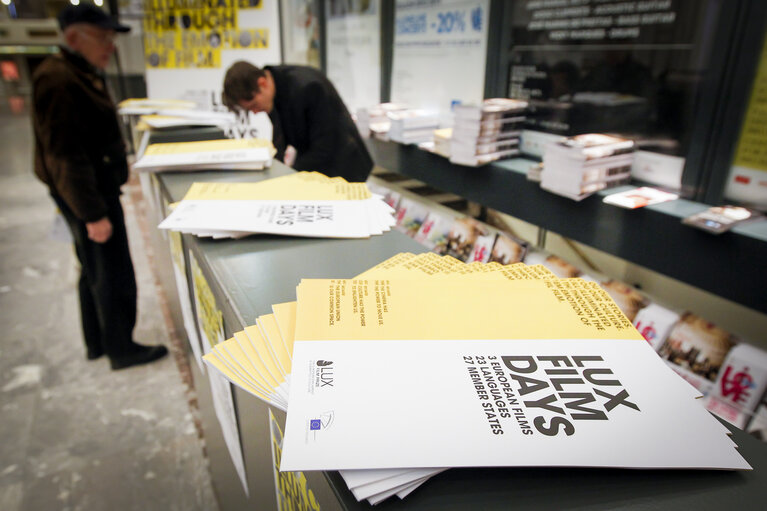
730, 265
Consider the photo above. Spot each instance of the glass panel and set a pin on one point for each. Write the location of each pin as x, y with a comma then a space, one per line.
353, 50
747, 182
301, 32
439, 53
630, 68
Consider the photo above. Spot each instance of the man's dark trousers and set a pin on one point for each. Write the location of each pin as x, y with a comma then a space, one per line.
107, 283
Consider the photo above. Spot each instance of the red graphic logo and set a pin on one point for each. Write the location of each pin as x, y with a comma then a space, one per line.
479, 254
648, 332
737, 385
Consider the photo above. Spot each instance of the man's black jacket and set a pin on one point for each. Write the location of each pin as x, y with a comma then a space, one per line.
309, 115
79, 151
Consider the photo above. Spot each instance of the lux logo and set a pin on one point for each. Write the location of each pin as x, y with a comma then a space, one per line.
736, 385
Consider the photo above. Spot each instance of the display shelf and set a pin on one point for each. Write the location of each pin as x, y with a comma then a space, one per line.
250, 274
730, 265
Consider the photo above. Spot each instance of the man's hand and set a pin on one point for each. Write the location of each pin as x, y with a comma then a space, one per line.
99, 231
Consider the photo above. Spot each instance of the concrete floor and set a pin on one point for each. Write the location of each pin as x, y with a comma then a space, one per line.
75, 435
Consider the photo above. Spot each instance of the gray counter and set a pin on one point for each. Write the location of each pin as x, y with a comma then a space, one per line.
249, 275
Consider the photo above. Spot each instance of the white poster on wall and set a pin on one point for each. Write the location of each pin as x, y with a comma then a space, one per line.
353, 49
300, 32
187, 51
747, 182
439, 53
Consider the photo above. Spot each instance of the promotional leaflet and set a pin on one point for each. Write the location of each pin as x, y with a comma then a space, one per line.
182, 288
375, 485
580, 386
250, 154
211, 330
300, 204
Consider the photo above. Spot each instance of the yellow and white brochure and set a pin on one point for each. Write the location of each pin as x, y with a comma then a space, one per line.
308, 218
521, 373
301, 204
231, 154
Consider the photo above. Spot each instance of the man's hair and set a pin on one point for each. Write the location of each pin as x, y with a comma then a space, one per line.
240, 83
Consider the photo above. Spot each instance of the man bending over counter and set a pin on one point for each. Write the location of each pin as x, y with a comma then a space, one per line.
306, 113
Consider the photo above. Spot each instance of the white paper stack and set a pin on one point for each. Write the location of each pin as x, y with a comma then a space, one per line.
412, 126
442, 138
165, 119
228, 154
374, 120
581, 165
306, 204
486, 132
143, 106
424, 363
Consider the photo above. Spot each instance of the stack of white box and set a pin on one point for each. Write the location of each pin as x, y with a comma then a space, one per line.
486, 132
374, 121
412, 126
578, 166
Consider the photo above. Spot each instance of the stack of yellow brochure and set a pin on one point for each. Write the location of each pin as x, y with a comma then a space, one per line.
227, 154
425, 363
187, 118
142, 106
306, 204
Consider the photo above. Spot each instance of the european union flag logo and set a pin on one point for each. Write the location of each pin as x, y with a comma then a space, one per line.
476, 19
315, 424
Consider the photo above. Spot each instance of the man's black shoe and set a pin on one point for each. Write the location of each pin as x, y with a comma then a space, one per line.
94, 353
142, 355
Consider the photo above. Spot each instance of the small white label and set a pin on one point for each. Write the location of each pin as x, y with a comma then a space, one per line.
534, 142
658, 169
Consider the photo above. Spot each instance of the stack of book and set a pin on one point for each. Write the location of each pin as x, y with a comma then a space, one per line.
144, 106
421, 355
442, 138
228, 154
306, 204
578, 166
165, 119
486, 132
412, 126
374, 120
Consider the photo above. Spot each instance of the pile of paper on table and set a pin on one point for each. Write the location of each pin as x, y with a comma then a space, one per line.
578, 166
143, 106
412, 126
306, 204
532, 370
165, 119
226, 154
442, 139
486, 132
639, 197
374, 120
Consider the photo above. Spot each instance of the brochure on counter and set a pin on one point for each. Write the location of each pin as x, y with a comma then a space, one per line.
639, 197
306, 204
719, 219
548, 369
172, 119
228, 154
142, 106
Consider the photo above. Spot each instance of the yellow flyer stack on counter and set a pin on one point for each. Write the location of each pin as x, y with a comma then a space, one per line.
142, 106
186, 118
420, 352
228, 154
306, 204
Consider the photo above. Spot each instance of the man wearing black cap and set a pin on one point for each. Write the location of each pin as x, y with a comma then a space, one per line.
80, 155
